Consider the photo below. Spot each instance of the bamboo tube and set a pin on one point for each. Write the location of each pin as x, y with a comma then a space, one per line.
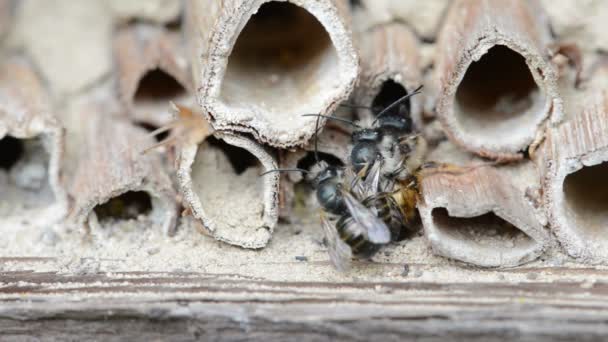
114, 181
389, 69
497, 87
152, 71
575, 191
259, 65
31, 148
221, 184
484, 215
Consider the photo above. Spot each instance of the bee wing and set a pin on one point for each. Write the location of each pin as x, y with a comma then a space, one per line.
340, 253
372, 181
353, 181
373, 227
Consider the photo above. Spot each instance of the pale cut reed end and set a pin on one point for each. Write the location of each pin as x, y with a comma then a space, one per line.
487, 222
152, 71
114, 181
260, 65
31, 148
390, 69
221, 183
497, 86
576, 191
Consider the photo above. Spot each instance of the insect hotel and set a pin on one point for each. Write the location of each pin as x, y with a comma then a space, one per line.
303, 170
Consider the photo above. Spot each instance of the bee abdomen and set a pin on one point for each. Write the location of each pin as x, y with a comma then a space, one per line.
360, 246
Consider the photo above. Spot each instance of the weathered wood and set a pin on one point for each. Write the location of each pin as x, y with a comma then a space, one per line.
141, 306
30, 184
239, 207
111, 164
6, 17
483, 215
144, 50
497, 86
575, 191
389, 59
259, 76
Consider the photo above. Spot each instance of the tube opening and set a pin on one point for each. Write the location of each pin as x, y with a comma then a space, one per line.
283, 56
154, 91
129, 206
586, 201
498, 96
487, 233
24, 178
227, 181
390, 92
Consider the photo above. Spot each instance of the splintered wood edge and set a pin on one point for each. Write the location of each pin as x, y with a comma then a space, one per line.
470, 30
582, 142
141, 48
186, 159
26, 112
213, 30
111, 164
473, 193
389, 52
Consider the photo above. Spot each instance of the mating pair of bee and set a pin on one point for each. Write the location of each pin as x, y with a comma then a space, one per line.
372, 200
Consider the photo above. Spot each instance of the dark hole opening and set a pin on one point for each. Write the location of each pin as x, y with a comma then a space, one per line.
127, 206
150, 128
356, 4
158, 86
11, 151
499, 84
586, 194
282, 54
477, 228
309, 160
390, 92
239, 158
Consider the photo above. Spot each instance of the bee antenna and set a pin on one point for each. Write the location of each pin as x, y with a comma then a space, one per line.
334, 118
396, 103
317, 159
285, 170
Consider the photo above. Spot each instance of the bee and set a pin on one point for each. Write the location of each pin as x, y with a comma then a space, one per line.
389, 150
352, 230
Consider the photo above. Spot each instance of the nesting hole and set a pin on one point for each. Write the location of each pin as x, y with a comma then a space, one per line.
227, 181
390, 92
24, 181
154, 91
283, 56
11, 150
497, 95
128, 206
487, 233
586, 201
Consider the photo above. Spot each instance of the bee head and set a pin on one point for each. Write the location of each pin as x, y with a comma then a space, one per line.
365, 134
402, 124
